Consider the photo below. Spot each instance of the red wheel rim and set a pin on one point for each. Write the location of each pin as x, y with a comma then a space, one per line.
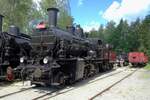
10, 75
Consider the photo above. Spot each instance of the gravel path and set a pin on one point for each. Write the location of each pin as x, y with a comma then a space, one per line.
136, 87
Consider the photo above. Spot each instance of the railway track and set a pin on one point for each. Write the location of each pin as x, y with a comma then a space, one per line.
13, 93
48, 94
59, 91
108, 88
71, 89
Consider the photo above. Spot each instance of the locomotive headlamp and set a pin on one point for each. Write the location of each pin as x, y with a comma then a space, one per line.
45, 60
21, 59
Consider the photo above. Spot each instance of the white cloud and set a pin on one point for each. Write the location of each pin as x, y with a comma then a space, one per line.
80, 2
127, 9
91, 25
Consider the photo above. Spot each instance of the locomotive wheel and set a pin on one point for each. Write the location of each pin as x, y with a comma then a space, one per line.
97, 69
22, 74
59, 79
71, 81
108, 66
111, 66
62, 80
100, 68
104, 67
86, 72
37, 85
92, 70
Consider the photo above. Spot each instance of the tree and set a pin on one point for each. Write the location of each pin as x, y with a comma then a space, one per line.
133, 35
119, 37
16, 12
64, 17
101, 32
93, 34
144, 35
109, 31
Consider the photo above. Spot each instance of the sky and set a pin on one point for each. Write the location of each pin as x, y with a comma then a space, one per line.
92, 13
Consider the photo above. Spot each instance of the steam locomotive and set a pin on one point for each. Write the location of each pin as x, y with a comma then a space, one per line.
61, 57
13, 44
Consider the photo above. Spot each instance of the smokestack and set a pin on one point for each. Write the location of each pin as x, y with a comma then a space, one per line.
14, 30
52, 16
1, 22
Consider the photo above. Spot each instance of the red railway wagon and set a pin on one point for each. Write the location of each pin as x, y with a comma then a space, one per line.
137, 58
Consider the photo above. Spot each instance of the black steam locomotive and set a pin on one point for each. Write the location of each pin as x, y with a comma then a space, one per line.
13, 44
63, 56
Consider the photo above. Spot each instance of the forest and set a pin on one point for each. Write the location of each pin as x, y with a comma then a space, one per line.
124, 37
27, 13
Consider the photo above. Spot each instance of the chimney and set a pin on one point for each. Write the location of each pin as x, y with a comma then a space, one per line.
52, 16
1, 22
14, 30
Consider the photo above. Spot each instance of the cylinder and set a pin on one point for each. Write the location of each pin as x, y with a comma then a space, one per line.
52, 16
14, 30
1, 22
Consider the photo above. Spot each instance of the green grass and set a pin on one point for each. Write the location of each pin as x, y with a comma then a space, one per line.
147, 67
146, 75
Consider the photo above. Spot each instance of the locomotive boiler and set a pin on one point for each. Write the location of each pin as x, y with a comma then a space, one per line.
13, 44
61, 57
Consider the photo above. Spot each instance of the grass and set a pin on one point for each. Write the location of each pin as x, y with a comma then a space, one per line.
146, 75
147, 67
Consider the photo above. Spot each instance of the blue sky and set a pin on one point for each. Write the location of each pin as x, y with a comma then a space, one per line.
91, 13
